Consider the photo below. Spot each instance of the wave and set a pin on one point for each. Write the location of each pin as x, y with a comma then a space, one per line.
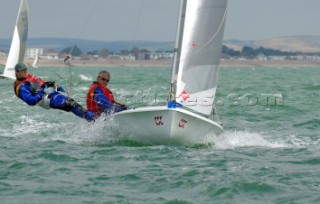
104, 131
31, 126
85, 77
235, 139
313, 124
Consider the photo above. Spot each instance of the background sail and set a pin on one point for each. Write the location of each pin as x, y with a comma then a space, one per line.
35, 62
19, 40
200, 54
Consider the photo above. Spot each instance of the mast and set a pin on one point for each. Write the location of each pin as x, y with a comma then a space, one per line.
177, 49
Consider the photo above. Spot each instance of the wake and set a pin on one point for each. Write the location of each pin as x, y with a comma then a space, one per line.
104, 131
236, 139
240, 139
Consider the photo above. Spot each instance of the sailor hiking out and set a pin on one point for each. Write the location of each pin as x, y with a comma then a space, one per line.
35, 91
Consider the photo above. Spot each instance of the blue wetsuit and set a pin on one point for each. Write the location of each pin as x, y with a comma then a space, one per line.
104, 102
57, 101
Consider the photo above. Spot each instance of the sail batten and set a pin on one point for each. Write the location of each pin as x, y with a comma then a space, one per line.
200, 54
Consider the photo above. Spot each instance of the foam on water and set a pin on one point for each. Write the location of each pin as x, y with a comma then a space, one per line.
83, 88
85, 77
32, 126
102, 131
234, 139
240, 138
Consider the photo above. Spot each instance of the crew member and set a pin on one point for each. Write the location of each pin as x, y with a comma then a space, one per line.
100, 98
35, 91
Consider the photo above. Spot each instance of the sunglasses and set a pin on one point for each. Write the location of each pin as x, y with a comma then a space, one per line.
103, 79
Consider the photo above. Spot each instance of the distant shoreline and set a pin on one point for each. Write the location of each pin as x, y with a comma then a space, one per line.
168, 63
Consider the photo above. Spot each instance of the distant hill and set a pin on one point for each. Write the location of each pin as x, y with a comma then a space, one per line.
88, 45
293, 43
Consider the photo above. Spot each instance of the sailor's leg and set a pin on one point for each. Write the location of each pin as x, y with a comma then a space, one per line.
59, 101
62, 102
78, 110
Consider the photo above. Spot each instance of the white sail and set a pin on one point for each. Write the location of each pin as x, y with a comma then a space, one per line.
18, 44
202, 28
35, 62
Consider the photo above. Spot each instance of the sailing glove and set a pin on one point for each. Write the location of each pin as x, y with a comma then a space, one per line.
60, 88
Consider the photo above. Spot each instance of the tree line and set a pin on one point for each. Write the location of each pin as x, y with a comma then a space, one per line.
249, 52
246, 51
76, 51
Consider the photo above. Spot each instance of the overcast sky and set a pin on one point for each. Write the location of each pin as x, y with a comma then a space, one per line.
156, 19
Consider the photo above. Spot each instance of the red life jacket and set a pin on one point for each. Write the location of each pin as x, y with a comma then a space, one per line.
34, 81
91, 104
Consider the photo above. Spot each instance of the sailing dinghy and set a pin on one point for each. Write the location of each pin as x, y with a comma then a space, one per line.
35, 62
19, 40
185, 120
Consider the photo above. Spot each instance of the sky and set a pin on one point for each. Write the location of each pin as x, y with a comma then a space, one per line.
156, 20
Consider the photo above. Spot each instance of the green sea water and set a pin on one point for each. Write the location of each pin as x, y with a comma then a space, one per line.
269, 152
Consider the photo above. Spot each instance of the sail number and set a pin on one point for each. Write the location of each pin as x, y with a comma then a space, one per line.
182, 123
158, 120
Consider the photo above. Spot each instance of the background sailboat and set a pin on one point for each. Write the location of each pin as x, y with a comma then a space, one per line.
19, 40
35, 62
194, 82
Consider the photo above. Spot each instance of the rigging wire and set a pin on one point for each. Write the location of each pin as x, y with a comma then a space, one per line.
67, 60
134, 33
67, 77
69, 82
74, 85
86, 23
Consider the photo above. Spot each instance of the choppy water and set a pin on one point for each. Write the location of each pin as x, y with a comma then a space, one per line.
269, 152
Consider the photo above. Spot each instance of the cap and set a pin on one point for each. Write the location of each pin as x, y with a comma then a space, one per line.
19, 67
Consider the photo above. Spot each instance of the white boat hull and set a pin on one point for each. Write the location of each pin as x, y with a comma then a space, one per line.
162, 125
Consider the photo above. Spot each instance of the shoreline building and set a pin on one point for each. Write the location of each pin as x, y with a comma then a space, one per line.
33, 52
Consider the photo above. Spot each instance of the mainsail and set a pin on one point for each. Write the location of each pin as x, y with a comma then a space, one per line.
199, 48
18, 44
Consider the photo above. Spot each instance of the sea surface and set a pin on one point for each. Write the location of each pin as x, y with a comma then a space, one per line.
269, 152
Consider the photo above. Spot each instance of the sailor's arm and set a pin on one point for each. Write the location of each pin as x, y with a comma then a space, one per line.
102, 100
26, 95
